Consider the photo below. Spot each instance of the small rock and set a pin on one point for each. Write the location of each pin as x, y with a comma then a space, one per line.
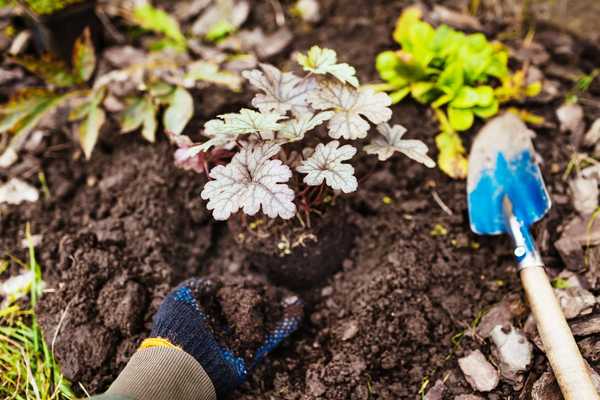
500, 314
591, 172
350, 330
17, 191
479, 373
8, 158
313, 383
585, 194
575, 301
436, 392
468, 397
577, 234
570, 116
512, 350
308, 10
327, 291
592, 136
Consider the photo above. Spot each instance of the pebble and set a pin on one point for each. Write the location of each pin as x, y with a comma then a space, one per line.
479, 373
468, 397
436, 392
350, 330
16, 191
513, 351
585, 193
592, 136
570, 116
499, 315
575, 301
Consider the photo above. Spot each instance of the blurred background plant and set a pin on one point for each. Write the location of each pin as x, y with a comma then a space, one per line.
462, 76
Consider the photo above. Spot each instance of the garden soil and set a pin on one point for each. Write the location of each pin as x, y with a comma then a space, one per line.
119, 232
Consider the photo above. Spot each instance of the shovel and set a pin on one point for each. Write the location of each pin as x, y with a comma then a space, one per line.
506, 194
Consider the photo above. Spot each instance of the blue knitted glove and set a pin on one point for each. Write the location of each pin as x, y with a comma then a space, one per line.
183, 321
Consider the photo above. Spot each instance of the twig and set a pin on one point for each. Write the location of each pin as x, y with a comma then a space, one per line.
441, 203
60, 323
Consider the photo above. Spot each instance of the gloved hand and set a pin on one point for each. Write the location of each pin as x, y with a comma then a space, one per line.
183, 322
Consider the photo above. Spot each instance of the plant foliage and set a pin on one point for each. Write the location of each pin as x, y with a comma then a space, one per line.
454, 72
43, 7
156, 84
279, 158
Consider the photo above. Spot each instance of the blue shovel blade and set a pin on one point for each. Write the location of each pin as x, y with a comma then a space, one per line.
516, 175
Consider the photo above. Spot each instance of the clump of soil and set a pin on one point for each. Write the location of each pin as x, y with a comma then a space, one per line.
118, 234
241, 311
294, 255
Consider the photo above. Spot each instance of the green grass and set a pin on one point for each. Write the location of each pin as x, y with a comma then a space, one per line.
27, 368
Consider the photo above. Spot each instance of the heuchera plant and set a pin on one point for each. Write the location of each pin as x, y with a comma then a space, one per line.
280, 159
454, 73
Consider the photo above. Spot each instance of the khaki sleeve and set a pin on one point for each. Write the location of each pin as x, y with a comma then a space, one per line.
161, 373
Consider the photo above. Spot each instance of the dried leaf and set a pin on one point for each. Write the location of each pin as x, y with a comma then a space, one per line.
179, 112
16, 191
251, 181
84, 56
93, 118
52, 70
324, 61
283, 91
89, 130
452, 155
189, 155
349, 104
326, 164
210, 72
390, 141
24, 111
308, 10
294, 129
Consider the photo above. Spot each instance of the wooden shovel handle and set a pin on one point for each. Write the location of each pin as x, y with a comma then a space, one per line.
566, 361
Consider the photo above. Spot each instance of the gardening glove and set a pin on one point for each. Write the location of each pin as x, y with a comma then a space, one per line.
182, 358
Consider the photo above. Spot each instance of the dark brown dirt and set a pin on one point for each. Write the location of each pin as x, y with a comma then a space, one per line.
283, 249
241, 311
123, 229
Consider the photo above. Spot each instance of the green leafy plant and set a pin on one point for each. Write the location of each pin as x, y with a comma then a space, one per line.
462, 76
42, 7
265, 146
26, 107
158, 82
153, 19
